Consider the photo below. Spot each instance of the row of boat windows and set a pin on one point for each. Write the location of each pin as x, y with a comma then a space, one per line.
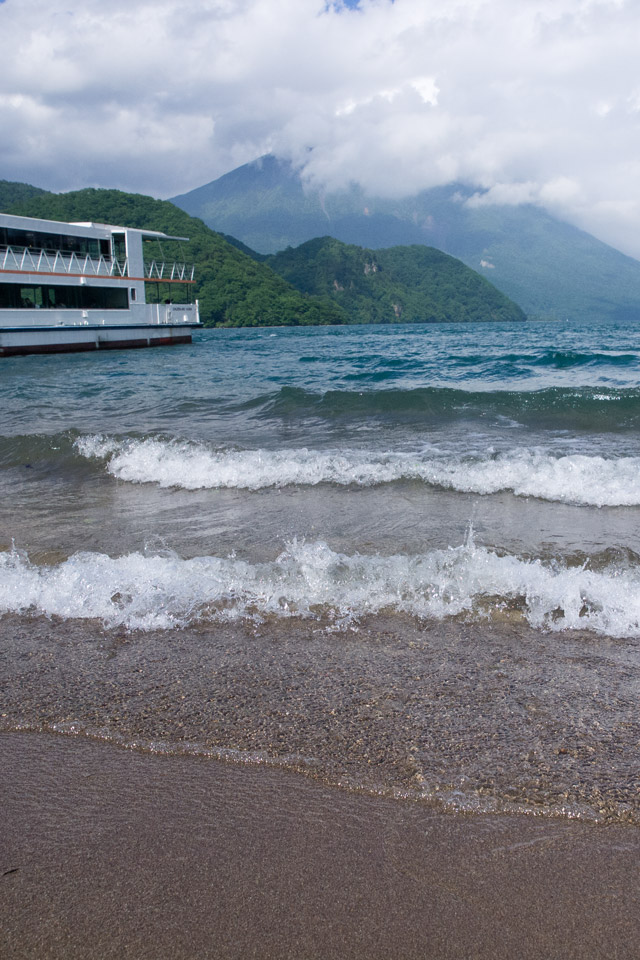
55, 243
15, 296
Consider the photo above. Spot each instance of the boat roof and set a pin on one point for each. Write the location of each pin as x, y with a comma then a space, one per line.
55, 226
151, 234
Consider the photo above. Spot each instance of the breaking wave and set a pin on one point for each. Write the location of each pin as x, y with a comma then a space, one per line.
576, 478
309, 579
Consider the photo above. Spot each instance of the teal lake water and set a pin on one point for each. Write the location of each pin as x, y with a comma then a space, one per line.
471, 490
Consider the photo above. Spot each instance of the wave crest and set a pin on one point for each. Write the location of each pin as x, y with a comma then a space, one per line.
576, 479
309, 579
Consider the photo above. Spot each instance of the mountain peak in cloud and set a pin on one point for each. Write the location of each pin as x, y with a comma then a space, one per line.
536, 98
550, 268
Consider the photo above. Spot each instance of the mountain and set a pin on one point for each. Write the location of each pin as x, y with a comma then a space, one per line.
232, 287
320, 283
415, 284
551, 269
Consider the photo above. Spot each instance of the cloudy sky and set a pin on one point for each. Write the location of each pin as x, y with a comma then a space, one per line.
529, 100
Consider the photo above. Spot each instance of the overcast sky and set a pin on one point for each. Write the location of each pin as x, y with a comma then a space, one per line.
531, 100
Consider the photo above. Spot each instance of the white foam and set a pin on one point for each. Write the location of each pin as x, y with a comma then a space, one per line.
192, 467
310, 580
576, 478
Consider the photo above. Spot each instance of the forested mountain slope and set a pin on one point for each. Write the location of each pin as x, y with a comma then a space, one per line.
415, 284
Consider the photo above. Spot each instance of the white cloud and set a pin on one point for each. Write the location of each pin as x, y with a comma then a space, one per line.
509, 194
536, 101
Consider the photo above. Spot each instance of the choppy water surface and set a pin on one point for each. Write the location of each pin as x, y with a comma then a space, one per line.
448, 516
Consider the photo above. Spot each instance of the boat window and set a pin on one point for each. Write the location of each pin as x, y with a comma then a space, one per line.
65, 244
119, 247
15, 296
31, 297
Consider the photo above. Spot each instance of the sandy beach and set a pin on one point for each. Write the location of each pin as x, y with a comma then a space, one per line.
107, 852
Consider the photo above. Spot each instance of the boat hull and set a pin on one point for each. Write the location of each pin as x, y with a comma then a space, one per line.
16, 341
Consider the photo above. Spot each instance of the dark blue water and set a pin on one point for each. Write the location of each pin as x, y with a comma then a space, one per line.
482, 477
264, 383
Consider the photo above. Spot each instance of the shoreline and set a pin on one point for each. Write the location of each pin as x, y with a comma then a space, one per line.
107, 852
453, 713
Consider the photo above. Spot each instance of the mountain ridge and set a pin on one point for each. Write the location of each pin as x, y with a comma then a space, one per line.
550, 268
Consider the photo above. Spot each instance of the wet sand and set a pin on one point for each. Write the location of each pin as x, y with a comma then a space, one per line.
106, 852
486, 718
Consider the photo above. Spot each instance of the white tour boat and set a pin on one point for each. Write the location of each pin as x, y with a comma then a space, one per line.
81, 286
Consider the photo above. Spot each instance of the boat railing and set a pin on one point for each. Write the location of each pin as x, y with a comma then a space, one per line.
159, 270
29, 260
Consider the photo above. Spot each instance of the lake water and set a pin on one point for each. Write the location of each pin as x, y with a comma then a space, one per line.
402, 559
